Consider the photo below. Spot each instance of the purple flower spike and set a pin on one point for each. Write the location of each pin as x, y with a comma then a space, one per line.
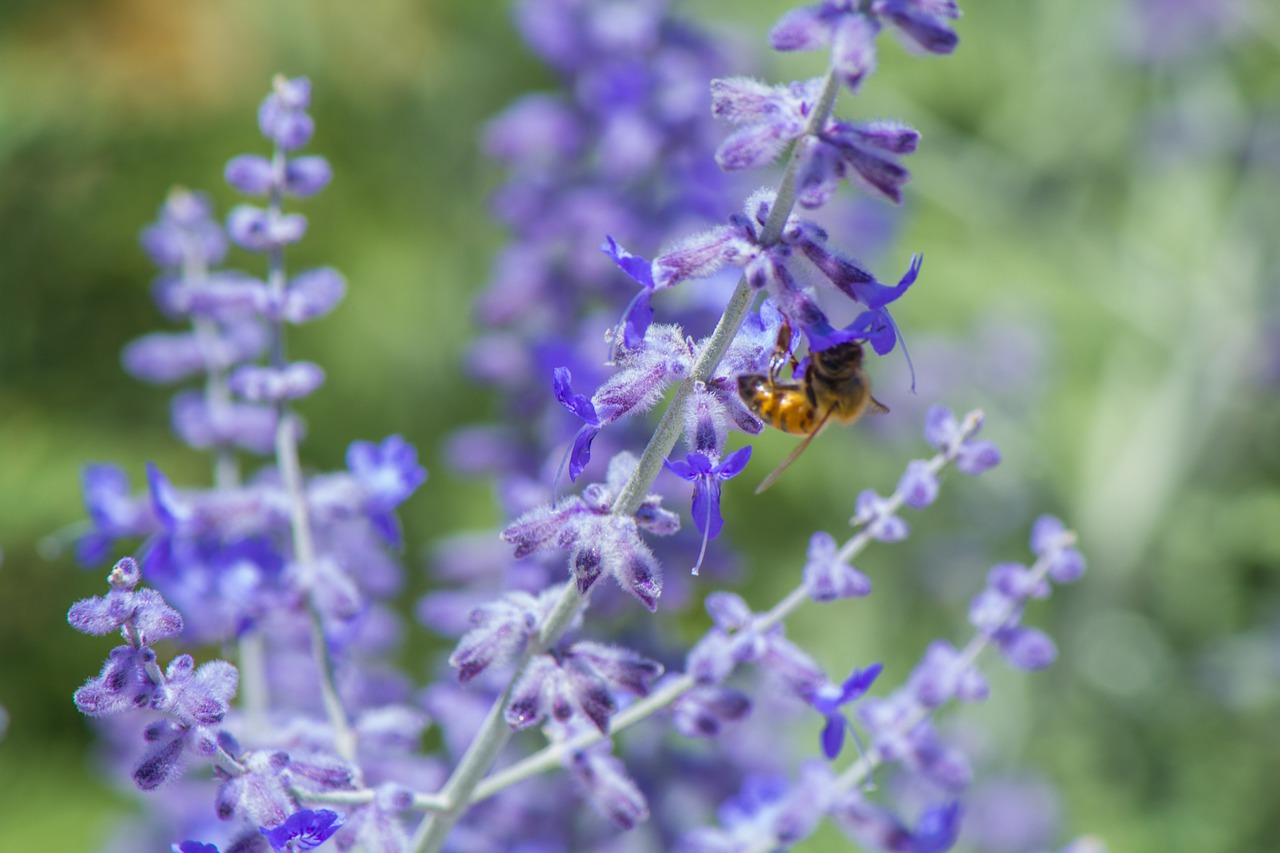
831, 698
706, 477
303, 830
639, 313
580, 405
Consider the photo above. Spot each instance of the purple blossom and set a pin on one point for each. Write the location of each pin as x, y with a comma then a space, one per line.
942, 675
259, 230
771, 117
1051, 540
956, 441
875, 512
603, 780
579, 681
850, 27
582, 407
707, 473
831, 698
276, 384
598, 541
705, 710
165, 357
875, 324
876, 827
388, 473
865, 153
827, 578
113, 512
501, 630
304, 830
193, 847
639, 313
185, 230
282, 117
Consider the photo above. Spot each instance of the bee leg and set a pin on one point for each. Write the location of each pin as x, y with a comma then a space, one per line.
782, 353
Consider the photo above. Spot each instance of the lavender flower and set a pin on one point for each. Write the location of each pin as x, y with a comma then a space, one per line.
303, 830
706, 474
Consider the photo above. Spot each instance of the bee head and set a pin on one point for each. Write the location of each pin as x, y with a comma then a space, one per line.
839, 361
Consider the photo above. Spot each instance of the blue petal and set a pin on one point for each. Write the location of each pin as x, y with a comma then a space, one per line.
576, 403
637, 268
833, 735
581, 453
706, 507
733, 463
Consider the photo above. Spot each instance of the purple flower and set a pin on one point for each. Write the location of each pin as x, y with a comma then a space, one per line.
706, 709
113, 512
598, 541
283, 118
276, 384
603, 780
827, 578
388, 473
639, 313
919, 485
501, 630
831, 698
193, 847
771, 117
185, 230
259, 230
706, 476
304, 830
582, 407
851, 26
873, 511
875, 324
1051, 540
955, 439
942, 675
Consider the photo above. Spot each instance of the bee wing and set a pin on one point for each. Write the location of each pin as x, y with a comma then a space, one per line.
793, 455
875, 407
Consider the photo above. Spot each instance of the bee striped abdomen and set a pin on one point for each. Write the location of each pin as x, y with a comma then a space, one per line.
783, 407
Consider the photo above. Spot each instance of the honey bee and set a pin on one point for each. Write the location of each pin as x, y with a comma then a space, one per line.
833, 388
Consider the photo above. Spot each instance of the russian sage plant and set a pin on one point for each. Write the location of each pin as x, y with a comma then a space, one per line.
310, 735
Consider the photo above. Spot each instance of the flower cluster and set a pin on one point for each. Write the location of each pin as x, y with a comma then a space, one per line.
293, 571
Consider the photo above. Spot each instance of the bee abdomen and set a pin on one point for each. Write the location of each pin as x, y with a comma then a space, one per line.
782, 407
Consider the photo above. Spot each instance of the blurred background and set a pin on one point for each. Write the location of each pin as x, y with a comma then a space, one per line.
1097, 196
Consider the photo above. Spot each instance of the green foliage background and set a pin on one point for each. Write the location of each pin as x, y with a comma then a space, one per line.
1124, 216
